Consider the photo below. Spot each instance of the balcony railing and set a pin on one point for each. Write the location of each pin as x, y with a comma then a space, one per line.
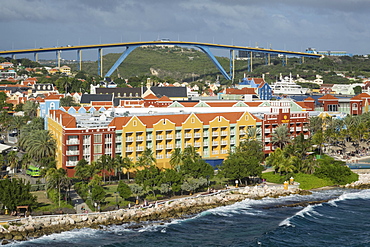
205, 144
73, 152
197, 144
267, 131
215, 152
129, 139
178, 145
139, 148
169, 146
149, 138
188, 135
129, 149
73, 141
232, 142
159, 147
71, 163
224, 133
159, 137
169, 137
214, 133
224, 143
139, 138
118, 139
215, 143
223, 151
197, 135
159, 157
298, 128
205, 134
232, 133
178, 136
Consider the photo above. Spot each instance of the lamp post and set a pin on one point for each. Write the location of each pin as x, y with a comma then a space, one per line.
116, 194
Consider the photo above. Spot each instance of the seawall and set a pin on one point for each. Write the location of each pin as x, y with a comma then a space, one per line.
33, 227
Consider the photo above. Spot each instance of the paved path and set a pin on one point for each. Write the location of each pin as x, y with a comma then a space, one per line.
79, 203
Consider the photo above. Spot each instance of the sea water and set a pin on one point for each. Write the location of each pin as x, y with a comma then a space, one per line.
341, 221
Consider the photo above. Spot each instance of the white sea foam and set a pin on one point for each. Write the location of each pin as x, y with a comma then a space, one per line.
74, 237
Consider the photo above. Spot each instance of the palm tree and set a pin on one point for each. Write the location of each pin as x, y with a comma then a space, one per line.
26, 160
12, 160
191, 153
147, 158
40, 144
177, 158
128, 164
252, 133
30, 108
17, 122
57, 178
280, 137
104, 163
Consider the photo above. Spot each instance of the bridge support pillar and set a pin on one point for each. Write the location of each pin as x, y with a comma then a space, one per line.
58, 58
128, 50
100, 62
214, 60
36, 57
232, 64
79, 58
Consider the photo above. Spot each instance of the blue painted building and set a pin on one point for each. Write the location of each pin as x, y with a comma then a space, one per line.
264, 90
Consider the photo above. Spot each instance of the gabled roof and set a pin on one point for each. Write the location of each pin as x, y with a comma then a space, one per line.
244, 90
54, 96
150, 97
309, 99
67, 120
327, 97
253, 103
164, 99
361, 96
169, 91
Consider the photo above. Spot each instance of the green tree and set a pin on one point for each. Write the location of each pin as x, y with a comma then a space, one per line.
98, 194
57, 179
124, 190
12, 160
14, 192
68, 101
280, 137
30, 108
176, 159
146, 159
40, 144
244, 162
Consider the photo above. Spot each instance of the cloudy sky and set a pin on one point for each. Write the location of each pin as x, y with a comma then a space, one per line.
280, 24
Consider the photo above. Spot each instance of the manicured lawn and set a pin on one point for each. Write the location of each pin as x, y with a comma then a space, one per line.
41, 197
306, 181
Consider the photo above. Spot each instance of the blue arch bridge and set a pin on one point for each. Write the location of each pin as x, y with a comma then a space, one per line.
205, 47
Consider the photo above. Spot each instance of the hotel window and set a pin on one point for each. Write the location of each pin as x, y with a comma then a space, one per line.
98, 149
97, 138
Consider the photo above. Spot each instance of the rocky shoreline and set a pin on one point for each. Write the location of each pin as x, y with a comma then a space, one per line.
33, 227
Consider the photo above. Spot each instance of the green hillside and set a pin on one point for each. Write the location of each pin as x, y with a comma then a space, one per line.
183, 64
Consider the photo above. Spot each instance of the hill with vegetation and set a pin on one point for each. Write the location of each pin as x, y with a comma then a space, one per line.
184, 64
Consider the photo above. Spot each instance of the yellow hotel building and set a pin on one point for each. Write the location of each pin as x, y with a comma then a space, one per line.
212, 134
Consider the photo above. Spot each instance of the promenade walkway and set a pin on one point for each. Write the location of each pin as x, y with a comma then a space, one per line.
78, 203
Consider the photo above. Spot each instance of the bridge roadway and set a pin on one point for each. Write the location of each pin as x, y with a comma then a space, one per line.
130, 46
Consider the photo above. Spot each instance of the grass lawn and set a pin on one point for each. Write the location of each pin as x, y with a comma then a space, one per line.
41, 198
306, 181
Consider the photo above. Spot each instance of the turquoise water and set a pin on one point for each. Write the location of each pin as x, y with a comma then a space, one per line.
342, 221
